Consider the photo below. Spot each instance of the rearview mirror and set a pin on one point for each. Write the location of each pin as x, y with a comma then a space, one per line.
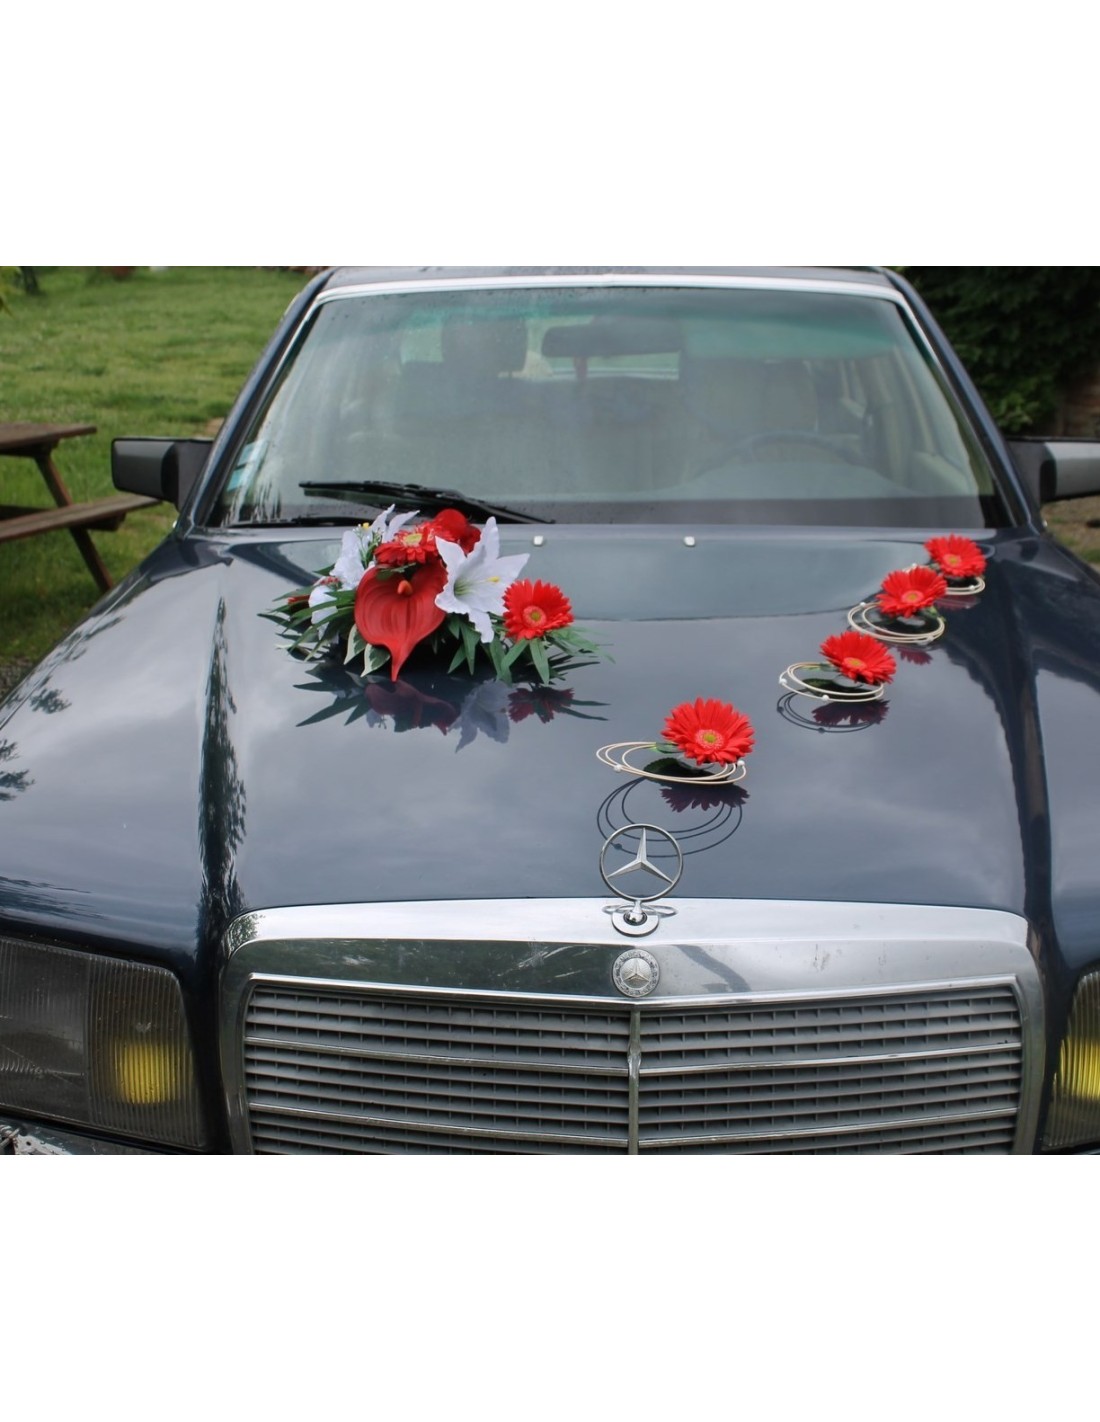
1057, 468
162, 468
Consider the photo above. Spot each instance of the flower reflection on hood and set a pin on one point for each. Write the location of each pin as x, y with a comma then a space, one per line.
410, 709
485, 708
840, 714
702, 796
545, 702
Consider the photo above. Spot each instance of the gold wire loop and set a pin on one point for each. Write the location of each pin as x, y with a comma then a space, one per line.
724, 775
859, 619
789, 680
968, 589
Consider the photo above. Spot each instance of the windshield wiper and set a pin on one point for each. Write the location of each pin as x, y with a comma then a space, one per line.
419, 494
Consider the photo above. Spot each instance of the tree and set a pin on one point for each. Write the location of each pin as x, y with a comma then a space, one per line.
1024, 333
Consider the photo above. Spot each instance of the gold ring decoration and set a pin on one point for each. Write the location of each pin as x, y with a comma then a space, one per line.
790, 681
617, 756
971, 587
860, 619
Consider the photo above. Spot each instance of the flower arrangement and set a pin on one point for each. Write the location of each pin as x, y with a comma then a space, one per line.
706, 738
904, 609
855, 667
473, 706
909, 591
442, 584
960, 561
859, 658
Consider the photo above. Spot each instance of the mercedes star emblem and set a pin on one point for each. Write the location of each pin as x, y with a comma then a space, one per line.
636, 972
638, 873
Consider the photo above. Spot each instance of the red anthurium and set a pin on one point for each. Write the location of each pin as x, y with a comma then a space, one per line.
399, 612
709, 732
909, 591
859, 657
533, 609
956, 557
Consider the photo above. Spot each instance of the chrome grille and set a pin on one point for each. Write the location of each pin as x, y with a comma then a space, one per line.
338, 1070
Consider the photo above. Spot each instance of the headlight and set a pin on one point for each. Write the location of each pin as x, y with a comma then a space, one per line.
1074, 1117
99, 1042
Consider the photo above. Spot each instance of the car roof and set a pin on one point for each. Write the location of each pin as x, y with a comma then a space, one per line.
364, 276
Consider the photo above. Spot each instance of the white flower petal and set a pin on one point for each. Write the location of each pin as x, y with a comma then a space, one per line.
477, 581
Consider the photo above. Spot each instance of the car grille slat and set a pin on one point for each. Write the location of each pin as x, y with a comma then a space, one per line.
396, 1071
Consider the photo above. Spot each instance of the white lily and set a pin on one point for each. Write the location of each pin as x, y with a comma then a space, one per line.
477, 581
321, 598
358, 544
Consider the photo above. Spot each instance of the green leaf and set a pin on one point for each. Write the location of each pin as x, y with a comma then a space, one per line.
538, 656
470, 642
356, 645
374, 658
514, 652
496, 654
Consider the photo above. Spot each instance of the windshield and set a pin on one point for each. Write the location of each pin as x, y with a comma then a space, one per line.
607, 405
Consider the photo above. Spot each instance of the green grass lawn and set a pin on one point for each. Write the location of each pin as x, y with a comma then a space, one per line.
162, 353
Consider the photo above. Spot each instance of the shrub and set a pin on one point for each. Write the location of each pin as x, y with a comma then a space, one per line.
1024, 333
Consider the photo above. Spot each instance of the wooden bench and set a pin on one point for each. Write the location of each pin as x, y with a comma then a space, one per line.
37, 442
102, 514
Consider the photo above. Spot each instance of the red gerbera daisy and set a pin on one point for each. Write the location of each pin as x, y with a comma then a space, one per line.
709, 732
411, 545
533, 609
910, 590
859, 657
956, 557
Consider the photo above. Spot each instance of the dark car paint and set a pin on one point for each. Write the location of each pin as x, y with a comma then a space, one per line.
151, 816
146, 816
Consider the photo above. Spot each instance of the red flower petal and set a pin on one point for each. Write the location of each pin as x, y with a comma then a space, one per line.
533, 609
455, 527
709, 732
955, 556
859, 657
909, 591
388, 617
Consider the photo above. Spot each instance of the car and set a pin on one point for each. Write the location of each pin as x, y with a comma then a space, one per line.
577, 711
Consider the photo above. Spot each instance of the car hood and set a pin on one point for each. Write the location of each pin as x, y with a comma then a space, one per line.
171, 764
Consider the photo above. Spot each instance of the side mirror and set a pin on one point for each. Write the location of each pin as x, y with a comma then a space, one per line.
1057, 468
161, 468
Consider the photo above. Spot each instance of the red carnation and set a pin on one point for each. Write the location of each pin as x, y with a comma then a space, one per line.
397, 613
533, 609
956, 557
909, 591
709, 732
859, 657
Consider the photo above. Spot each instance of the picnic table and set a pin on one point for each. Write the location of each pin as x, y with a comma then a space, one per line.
24, 440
